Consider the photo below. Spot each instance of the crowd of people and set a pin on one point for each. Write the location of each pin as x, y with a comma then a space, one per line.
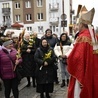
41, 59
38, 60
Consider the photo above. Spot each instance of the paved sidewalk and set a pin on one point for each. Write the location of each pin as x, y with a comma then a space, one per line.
30, 92
58, 92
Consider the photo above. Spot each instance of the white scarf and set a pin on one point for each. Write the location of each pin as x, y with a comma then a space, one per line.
94, 39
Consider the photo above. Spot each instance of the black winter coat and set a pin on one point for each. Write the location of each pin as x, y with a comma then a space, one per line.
44, 74
28, 59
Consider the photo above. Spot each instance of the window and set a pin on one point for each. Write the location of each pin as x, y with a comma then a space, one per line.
40, 29
28, 4
29, 28
40, 16
6, 18
28, 17
56, 29
53, 28
39, 3
17, 18
17, 5
6, 5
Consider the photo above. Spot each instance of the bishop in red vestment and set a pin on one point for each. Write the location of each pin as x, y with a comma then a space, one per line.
83, 65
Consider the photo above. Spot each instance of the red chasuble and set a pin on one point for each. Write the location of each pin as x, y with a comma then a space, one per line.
83, 66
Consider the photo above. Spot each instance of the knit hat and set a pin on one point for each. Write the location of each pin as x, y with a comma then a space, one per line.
8, 42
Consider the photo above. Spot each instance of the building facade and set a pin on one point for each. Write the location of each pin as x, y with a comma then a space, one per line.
6, 12
38, 15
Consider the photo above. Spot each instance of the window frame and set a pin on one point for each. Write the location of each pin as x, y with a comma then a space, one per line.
29, 28
39, 3
40, 29
6, 5
40, 16
28, 4
17, 18
28, 16
18, 5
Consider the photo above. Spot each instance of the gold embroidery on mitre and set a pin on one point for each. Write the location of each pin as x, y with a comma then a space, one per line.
84, 39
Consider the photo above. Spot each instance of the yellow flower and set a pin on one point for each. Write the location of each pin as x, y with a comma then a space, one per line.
47, 55
18, 55
31, 41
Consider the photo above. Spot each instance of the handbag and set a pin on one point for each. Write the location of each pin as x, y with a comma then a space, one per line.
19, 69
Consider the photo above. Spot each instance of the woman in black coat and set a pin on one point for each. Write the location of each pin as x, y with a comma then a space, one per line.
29, 65
44, 57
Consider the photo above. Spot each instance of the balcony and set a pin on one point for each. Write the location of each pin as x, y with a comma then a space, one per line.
54, 21
6, 11
54, 7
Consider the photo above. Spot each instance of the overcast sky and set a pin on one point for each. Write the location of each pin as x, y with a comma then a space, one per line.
89, 5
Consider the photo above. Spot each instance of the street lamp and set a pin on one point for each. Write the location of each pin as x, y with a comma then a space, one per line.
63, 14
63, 17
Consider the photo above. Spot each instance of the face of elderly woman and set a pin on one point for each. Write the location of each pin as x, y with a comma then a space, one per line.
44, 43
27, 36
9, 46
